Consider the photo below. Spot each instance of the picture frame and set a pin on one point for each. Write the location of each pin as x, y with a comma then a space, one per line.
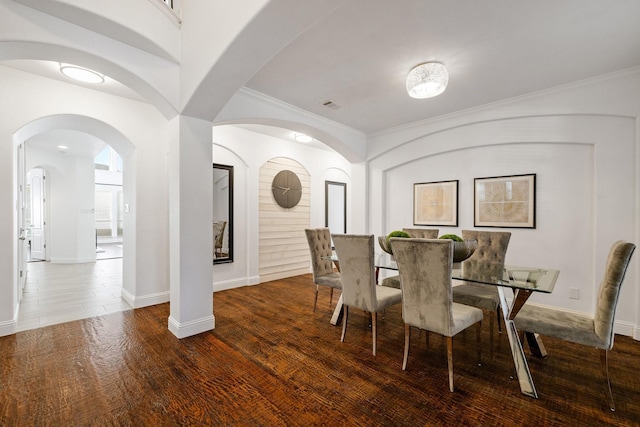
505, 201
435, 203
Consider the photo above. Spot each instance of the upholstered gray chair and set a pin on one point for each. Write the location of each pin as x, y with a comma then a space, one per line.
218, 236
319, 240
492, 247
422, 233
427, 302
596, 331
359, 289
419, 233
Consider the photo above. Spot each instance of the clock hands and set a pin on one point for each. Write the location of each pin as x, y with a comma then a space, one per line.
285, 189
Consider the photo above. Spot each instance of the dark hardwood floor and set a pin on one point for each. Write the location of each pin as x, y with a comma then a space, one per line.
271, 361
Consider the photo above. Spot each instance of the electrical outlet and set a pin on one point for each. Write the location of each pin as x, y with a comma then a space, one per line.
574, 293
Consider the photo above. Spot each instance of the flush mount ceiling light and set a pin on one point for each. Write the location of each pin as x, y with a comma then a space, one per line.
81, 74
427, 80
301, 137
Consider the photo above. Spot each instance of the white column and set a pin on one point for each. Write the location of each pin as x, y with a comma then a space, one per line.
190, 227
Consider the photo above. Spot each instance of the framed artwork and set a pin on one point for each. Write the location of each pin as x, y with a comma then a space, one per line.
435, 203
505, 201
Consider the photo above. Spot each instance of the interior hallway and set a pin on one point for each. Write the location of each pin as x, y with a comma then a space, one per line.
58, 293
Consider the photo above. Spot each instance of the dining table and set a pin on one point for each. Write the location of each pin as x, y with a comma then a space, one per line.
523, 281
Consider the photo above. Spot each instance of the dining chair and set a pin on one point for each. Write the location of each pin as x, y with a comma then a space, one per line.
492, 248
319, 240
421, 233
218, 235
359, 289
427, 301
594, 331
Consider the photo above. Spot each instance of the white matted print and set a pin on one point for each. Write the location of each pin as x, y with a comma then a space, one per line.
505, 201
435, 203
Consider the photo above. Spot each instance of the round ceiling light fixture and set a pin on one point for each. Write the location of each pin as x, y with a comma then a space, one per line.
81, 74
427, 80
301, 137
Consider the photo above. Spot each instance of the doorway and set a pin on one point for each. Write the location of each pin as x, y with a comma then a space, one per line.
35, 223
61, 215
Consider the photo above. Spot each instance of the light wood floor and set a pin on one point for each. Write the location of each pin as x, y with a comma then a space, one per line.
58, 293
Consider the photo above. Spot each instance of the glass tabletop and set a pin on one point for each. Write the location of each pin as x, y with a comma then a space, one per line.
529, 278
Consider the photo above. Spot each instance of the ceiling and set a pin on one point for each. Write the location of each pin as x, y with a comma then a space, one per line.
76, 143
359, 56
51, 69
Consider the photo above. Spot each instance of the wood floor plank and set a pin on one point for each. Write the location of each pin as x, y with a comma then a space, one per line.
271, 361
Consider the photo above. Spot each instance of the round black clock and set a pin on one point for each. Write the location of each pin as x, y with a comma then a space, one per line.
286, 188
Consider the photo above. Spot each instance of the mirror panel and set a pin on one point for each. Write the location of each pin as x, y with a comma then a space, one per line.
222, 213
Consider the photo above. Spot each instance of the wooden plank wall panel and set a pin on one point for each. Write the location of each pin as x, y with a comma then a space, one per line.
283, 248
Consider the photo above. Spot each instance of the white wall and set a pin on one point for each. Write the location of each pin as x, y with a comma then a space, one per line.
27, 33
136, 130
247, 152
70, 205
582, 143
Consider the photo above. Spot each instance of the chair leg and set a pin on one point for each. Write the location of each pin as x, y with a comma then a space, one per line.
427, 338
521, 336
407, 338
499, 317
374, 321
450, 361
344, 322
604, 362
330, 297
478, 333
315, 300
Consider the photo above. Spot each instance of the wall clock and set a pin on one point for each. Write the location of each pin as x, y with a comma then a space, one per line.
286, 188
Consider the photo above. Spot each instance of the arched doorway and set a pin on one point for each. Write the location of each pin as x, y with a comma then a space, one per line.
69, 285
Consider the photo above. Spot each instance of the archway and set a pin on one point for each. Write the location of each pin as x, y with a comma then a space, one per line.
87, 136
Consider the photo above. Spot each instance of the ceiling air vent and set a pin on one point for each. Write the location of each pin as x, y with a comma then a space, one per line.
331, 104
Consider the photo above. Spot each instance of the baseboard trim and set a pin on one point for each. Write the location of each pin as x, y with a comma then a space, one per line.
8, 327
71, 260
144, 300
627, 329
235, 283
191, 328
283, 275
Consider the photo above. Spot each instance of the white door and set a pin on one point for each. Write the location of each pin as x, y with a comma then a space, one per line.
36, 180
22, 221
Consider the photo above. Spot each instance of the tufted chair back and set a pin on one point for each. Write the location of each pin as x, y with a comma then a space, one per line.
492, 245
422, 233
356, 256
319, 240
218, 234
617, 263
425, 272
